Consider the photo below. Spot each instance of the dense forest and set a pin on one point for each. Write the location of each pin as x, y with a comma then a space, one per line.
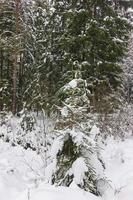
66, 82
44, 45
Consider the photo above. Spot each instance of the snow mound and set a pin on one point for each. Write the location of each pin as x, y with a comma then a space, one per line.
56, 193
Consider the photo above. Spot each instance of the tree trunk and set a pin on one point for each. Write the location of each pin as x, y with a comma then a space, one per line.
15, 56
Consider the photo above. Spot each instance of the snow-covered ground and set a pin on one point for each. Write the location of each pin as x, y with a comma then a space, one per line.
20, 170
118, 157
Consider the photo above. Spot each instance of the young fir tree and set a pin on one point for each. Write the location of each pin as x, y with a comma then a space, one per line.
74, 148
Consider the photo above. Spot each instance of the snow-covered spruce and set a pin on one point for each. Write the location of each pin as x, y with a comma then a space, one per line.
73, 148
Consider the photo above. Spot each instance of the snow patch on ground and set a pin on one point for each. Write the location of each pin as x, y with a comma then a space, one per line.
118, 157
48, 192
21, 171
18, 169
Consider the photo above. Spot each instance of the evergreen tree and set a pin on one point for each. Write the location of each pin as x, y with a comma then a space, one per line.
91, 36
74, 144
128, 71
36, 91
12, 41
6, 29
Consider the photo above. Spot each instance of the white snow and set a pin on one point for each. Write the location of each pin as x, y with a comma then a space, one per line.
56, 147
21, 174
118, 156
18, 169
78, 170
94, 131
64, 111
130, 10
48, 192
73, 83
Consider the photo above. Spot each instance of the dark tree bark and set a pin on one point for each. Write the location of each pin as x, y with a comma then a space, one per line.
15, 56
